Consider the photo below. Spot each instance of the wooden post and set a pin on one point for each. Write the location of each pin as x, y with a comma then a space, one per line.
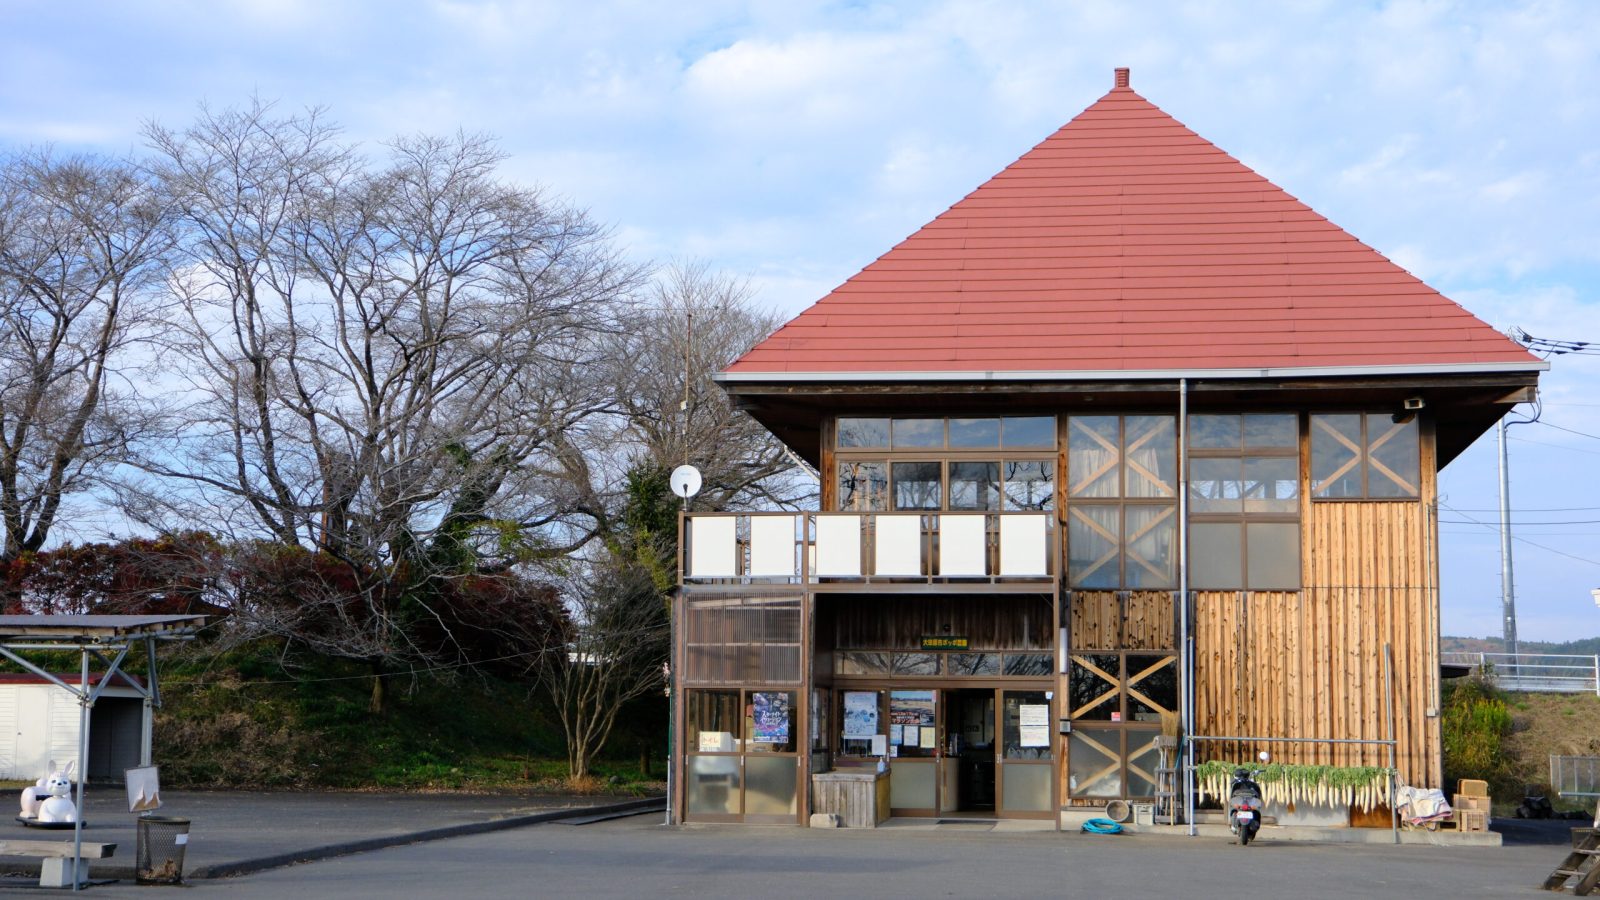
1388, 706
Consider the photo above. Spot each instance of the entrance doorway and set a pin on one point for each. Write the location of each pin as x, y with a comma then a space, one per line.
970, 753
977, 752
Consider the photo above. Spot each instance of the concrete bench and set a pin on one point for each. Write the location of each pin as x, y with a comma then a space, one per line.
57, 859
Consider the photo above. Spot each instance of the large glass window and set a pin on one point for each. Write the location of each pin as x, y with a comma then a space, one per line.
974, 485
872, 433
1355, 456
917, 434
915, 464
918, 485
1121, 501
1244, 501
1030, 484
863, 486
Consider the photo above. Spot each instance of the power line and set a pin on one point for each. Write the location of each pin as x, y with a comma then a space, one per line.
1567, 430
1582, 559
1557, 446
1522, 524
1524, 509
1541, 534
1554, 347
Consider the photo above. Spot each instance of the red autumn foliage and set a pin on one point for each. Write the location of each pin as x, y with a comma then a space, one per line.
168, 575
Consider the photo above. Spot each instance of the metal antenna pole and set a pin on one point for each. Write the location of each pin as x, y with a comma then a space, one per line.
688, 376
672, 614
1508, 590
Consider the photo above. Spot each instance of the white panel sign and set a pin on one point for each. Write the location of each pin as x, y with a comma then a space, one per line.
772, 546
962, 546
712, 548
1022, 546
838, 546
898, 547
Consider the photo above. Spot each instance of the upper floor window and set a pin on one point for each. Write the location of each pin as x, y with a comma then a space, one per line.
1244, 501
999, 463
1355, 456
1008, 432
1121, 501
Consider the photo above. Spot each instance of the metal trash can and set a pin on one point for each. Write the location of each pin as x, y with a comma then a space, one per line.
162, 840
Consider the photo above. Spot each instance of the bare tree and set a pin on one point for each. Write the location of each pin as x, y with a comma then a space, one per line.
389, 365
80, 242
695, 323
613, 654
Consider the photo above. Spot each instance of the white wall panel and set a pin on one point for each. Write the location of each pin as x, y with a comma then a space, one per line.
713, 548
772, 546
898, 546
1022, 546
838, 546
961, 546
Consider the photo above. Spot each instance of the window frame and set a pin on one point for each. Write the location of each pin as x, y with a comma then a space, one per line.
1000, 455
1121, 502
1363, 458
1244, 517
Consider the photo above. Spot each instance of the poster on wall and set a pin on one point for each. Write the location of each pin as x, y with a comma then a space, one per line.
860, 714
911, 708
771, 714
1034, 725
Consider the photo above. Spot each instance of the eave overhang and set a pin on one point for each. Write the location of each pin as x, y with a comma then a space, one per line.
1463, 400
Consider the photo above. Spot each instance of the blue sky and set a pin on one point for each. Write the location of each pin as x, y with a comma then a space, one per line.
793, 142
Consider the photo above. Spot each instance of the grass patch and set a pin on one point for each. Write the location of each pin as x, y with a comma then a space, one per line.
244, 720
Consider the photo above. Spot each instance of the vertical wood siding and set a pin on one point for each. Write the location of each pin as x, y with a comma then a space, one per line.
1309, 663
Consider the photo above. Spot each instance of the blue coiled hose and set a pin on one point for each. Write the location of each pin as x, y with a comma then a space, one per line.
1102, 826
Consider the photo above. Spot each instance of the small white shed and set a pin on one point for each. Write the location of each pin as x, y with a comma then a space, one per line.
39, 723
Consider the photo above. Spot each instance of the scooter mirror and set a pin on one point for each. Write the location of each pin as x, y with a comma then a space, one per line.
1265, 756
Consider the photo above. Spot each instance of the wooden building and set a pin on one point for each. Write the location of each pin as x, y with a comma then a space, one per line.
1128, 432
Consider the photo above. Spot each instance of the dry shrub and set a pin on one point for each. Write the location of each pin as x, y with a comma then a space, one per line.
583, 785
213, 745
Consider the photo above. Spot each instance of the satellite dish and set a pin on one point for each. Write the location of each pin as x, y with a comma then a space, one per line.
686, 481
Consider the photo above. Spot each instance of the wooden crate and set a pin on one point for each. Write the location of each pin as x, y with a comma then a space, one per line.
1472, 787
1473, 819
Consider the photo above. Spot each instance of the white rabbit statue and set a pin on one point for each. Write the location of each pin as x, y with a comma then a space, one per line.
33, 796
59, 786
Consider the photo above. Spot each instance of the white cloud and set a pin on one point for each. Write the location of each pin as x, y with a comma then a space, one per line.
795, 142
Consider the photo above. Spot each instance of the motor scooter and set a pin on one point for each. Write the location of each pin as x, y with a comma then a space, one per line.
1244, 803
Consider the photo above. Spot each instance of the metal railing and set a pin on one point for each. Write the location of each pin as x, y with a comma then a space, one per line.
1575, 776
1534, 672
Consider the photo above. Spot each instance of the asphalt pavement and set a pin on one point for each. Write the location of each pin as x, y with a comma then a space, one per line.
637, 856
234, 832
391, 846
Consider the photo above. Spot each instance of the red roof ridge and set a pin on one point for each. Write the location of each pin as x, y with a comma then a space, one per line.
1126, 209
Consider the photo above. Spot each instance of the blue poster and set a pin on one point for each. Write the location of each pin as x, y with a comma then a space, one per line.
860, 714
771, 716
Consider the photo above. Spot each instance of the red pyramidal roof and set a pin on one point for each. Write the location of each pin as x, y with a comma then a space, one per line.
1126, 245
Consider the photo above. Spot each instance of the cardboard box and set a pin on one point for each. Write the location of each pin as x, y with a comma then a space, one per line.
1473, 787
1473, 819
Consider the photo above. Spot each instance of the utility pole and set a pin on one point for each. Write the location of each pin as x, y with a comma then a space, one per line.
1508, 590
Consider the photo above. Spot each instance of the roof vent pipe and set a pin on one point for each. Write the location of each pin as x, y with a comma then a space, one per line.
1121, 78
